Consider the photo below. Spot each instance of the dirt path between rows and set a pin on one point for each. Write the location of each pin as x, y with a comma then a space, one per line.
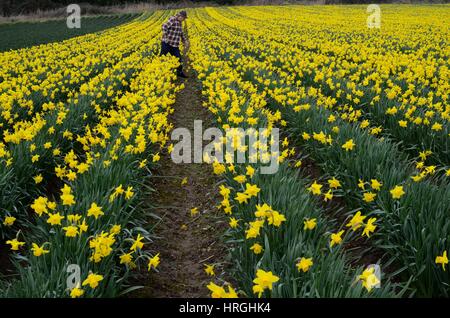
186, 243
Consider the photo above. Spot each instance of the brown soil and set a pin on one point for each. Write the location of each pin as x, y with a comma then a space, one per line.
6, 266
184, 252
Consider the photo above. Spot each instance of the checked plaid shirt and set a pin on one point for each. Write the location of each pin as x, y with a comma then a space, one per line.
173, 32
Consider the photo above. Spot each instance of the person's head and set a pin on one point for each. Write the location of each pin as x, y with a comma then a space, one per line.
182, 15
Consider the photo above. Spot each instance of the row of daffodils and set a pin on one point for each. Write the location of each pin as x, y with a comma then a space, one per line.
367, 111
82, 126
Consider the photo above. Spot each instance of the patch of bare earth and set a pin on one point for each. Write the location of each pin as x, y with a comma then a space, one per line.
186, 243
6, 267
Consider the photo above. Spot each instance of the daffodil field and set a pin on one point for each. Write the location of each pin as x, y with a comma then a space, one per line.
79, 126
364, 161
369, 108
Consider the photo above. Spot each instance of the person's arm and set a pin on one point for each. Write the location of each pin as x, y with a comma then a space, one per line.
185, 38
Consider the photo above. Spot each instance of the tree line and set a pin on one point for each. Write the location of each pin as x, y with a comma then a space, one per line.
15, 7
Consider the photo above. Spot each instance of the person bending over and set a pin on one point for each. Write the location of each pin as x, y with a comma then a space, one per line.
172, 36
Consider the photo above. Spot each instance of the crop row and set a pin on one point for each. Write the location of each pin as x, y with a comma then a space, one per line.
374, 176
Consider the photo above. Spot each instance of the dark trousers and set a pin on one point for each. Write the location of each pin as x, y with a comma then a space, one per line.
175, 51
